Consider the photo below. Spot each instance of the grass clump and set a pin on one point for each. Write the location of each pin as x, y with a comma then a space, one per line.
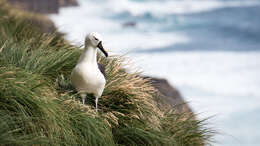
38, 105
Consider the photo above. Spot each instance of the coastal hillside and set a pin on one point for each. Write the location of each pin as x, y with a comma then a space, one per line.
40, 107
42, 6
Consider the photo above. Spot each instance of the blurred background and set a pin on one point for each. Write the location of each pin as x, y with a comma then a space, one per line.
208, 49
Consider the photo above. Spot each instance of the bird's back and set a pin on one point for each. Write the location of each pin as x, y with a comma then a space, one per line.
102, 69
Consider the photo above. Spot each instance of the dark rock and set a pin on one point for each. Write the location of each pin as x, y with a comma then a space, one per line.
42, 6
170, 94
129, 24
38, 6
68, 3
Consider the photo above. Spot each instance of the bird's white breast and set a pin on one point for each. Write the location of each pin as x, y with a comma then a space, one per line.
87, 78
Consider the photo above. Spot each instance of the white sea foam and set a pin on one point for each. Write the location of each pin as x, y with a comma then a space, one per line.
215, 83
157, 8
91, 16
117, 38
220, 84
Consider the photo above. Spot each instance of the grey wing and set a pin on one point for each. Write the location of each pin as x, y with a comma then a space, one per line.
102, 69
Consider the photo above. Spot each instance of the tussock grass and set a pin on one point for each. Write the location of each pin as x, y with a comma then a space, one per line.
38, 105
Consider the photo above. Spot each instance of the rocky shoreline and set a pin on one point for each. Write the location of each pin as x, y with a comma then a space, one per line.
170, 94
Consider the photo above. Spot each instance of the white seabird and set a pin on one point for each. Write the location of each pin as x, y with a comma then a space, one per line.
86, 76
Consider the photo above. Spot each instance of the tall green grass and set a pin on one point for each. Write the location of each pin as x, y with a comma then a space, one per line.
38, 105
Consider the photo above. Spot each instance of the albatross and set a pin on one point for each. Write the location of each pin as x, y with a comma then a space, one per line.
86, 77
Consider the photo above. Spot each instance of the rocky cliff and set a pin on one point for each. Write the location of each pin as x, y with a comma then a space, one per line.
170, 94
42, 6
66, 3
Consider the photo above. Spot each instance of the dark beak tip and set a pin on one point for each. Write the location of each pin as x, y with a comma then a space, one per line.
100, 46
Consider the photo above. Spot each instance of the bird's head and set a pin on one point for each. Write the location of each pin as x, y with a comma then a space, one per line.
94, 39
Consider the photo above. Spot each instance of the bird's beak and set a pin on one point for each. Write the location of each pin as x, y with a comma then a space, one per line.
100, 46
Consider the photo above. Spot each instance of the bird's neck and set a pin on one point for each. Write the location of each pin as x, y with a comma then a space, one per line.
89, 55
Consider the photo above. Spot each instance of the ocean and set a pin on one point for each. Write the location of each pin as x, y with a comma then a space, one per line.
208, 49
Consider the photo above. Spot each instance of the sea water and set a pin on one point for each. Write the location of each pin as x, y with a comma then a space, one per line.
208, 49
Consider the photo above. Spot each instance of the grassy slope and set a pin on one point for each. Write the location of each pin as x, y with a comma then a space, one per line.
39, 106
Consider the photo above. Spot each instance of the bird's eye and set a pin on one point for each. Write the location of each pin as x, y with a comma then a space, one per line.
95, 38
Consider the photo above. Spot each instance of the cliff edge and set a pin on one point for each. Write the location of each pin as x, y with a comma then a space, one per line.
42, 6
